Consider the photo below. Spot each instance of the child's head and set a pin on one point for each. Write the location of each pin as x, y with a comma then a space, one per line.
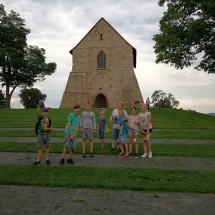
76, 109
45, 111
143, 108
120, 105
133, 110
102, 112
88, 106
120, 112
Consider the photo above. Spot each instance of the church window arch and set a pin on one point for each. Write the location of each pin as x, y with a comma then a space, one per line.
101, 60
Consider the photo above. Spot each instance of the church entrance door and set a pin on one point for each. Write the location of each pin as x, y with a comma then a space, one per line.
101, 101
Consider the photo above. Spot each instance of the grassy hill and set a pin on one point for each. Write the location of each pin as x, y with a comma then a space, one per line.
169, 123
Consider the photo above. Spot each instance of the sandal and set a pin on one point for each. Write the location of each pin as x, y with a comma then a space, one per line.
127, 155
121, 154
101, 149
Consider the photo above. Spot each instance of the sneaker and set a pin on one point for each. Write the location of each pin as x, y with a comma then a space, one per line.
150, 155
144, 155
70, 161
131, 155
62, 161
136, 155
35, 163
48, 162
112, 149
91, 155
84, 155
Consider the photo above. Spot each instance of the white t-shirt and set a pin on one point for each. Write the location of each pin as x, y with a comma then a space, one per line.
132, 119
115, 118
144, 121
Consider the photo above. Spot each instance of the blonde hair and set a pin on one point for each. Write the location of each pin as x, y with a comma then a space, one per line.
120, 103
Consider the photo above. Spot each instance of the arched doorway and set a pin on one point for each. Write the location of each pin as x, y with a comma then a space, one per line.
101, 101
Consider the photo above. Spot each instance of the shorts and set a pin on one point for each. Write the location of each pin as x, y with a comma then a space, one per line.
101, 134
87, 133
132, 131
70, 143
43, 140
115, 134
150, 130
122, 139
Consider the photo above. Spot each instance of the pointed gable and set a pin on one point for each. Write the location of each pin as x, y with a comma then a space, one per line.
102, 19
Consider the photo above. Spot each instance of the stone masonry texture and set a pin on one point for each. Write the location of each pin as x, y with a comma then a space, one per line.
115, 83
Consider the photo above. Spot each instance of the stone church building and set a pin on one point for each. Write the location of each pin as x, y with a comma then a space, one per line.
103, 70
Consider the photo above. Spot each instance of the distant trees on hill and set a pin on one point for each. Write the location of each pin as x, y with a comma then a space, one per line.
29, 98
163, 100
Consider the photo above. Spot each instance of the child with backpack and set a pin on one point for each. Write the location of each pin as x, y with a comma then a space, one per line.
42, 129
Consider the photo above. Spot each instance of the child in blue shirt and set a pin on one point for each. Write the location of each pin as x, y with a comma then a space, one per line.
122, 135
102, 126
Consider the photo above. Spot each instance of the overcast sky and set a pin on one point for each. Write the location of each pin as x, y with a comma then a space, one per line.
58, 26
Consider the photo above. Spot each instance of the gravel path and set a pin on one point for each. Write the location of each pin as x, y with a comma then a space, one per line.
153, 140
160, 162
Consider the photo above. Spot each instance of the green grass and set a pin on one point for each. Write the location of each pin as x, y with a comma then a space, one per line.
162, 133
170, 124
180, 150
109, 178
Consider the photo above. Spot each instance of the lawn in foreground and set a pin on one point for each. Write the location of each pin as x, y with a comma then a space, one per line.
109, 178
180, 150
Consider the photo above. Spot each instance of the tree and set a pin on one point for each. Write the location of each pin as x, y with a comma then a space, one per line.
2, 99
21, 65
163, 100
187, 34
30, 97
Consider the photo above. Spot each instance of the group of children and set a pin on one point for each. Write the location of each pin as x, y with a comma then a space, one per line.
122, 125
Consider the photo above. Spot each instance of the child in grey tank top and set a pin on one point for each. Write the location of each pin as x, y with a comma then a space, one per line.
133, 122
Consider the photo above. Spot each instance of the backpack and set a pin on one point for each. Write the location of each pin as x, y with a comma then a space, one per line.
153, 126
38, 124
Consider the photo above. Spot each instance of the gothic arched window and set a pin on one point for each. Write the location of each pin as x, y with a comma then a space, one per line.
101, 60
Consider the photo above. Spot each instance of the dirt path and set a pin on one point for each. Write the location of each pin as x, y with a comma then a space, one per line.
39, 200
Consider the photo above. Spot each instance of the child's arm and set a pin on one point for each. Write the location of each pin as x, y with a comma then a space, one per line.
105, 127
121, 128
129, 125
94, 123
81, 122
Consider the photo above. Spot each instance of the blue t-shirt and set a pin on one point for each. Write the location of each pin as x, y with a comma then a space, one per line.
101, 122
74, 120
121, 122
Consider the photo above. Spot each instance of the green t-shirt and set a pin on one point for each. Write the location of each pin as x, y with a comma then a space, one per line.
74, 120
44, 123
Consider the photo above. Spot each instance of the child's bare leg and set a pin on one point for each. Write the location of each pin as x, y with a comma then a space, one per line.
145, 146
71, 153
136, 144
113, 144
64, 152
122, 148
91, 146
39, 153
102, 143
47, 152
84, 145
148, 142
126, 149
130, 143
